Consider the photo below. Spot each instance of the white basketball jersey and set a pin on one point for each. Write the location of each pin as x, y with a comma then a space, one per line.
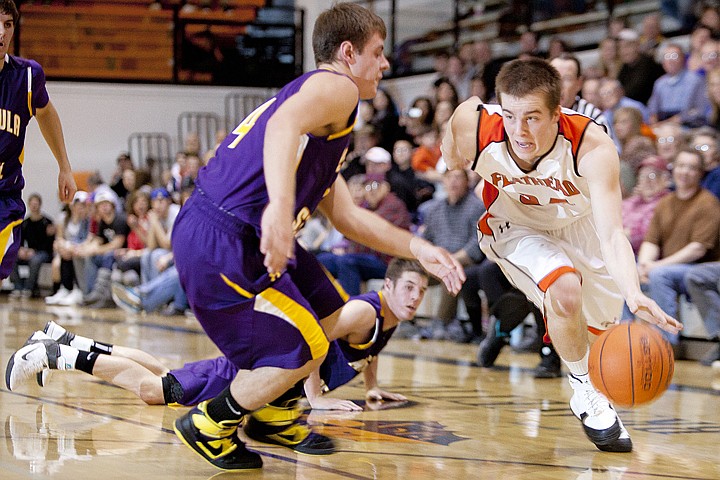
550, 196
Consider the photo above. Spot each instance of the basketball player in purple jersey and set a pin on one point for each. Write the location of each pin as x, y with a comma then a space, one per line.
22, 96
257, 294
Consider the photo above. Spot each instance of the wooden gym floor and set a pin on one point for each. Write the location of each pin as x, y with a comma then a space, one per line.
462, 422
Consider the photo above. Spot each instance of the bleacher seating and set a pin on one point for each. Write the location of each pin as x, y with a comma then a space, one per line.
92, 41
89, 39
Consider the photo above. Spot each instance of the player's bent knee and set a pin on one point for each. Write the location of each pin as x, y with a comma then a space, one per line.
564, 296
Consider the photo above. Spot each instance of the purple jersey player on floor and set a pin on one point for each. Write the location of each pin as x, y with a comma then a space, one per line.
358, 333
22, 96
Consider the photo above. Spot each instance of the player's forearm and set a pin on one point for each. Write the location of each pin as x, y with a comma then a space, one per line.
371, 230
620, 263
51, 129
370, 375
313, 387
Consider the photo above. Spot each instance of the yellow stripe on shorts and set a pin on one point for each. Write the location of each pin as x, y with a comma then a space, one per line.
276, 303
5, 236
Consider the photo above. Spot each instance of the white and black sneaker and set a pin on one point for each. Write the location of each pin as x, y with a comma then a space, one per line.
39, 353
58, 333
600, 421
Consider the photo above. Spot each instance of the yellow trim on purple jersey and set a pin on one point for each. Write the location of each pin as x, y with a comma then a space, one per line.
29, 93
341, 291
342, 133
236, 287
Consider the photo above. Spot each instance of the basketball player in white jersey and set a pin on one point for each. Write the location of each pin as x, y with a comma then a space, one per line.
553, 222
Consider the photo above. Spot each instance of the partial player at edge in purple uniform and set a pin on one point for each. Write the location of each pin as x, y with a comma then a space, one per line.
22, 96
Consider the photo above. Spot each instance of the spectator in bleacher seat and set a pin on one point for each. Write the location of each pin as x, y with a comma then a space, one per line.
612, 97
191, 144
451, 223
440, 64
617, 25
459, 75
403, 180
568, 66
72, 228
419, 116
651, 35
99, 250
161, 219
124, 162
709, 56
698, 37
709, 17
443, 112
705, 140
426, 155
669, 138
684, 230
164, 290
639, 71
679, 95
386, 119
635, 150
480, 56
530, 45
480, 90
361, 263
96, 184
703, 284
590, 91
127, 267
444, 91
712, 85
220, 135
193, 164
653, 182
627, 124
378, 161
609, 59
556, 47
36, 248
364, 139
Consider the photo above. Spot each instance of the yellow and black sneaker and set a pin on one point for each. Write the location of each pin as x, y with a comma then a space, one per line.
281, 426
217, 443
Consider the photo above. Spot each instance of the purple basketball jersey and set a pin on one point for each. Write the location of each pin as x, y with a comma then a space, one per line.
22, 91
235, 179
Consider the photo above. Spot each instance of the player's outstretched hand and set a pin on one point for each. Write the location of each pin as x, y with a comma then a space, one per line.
326, 403
438, 262
646, 309
276, 241
66, 186
376, 394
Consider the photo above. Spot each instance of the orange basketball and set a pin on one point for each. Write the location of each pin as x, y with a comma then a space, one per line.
631, 364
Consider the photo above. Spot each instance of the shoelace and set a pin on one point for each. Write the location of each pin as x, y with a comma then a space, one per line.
597, 403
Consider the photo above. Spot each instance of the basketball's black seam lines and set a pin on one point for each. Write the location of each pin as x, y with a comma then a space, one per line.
602, 350
632, 366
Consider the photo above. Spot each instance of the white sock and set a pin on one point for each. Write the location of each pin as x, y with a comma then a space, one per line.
69, 356
579, 367
82, 343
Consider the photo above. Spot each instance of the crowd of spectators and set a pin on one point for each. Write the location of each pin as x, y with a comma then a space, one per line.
658, 101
